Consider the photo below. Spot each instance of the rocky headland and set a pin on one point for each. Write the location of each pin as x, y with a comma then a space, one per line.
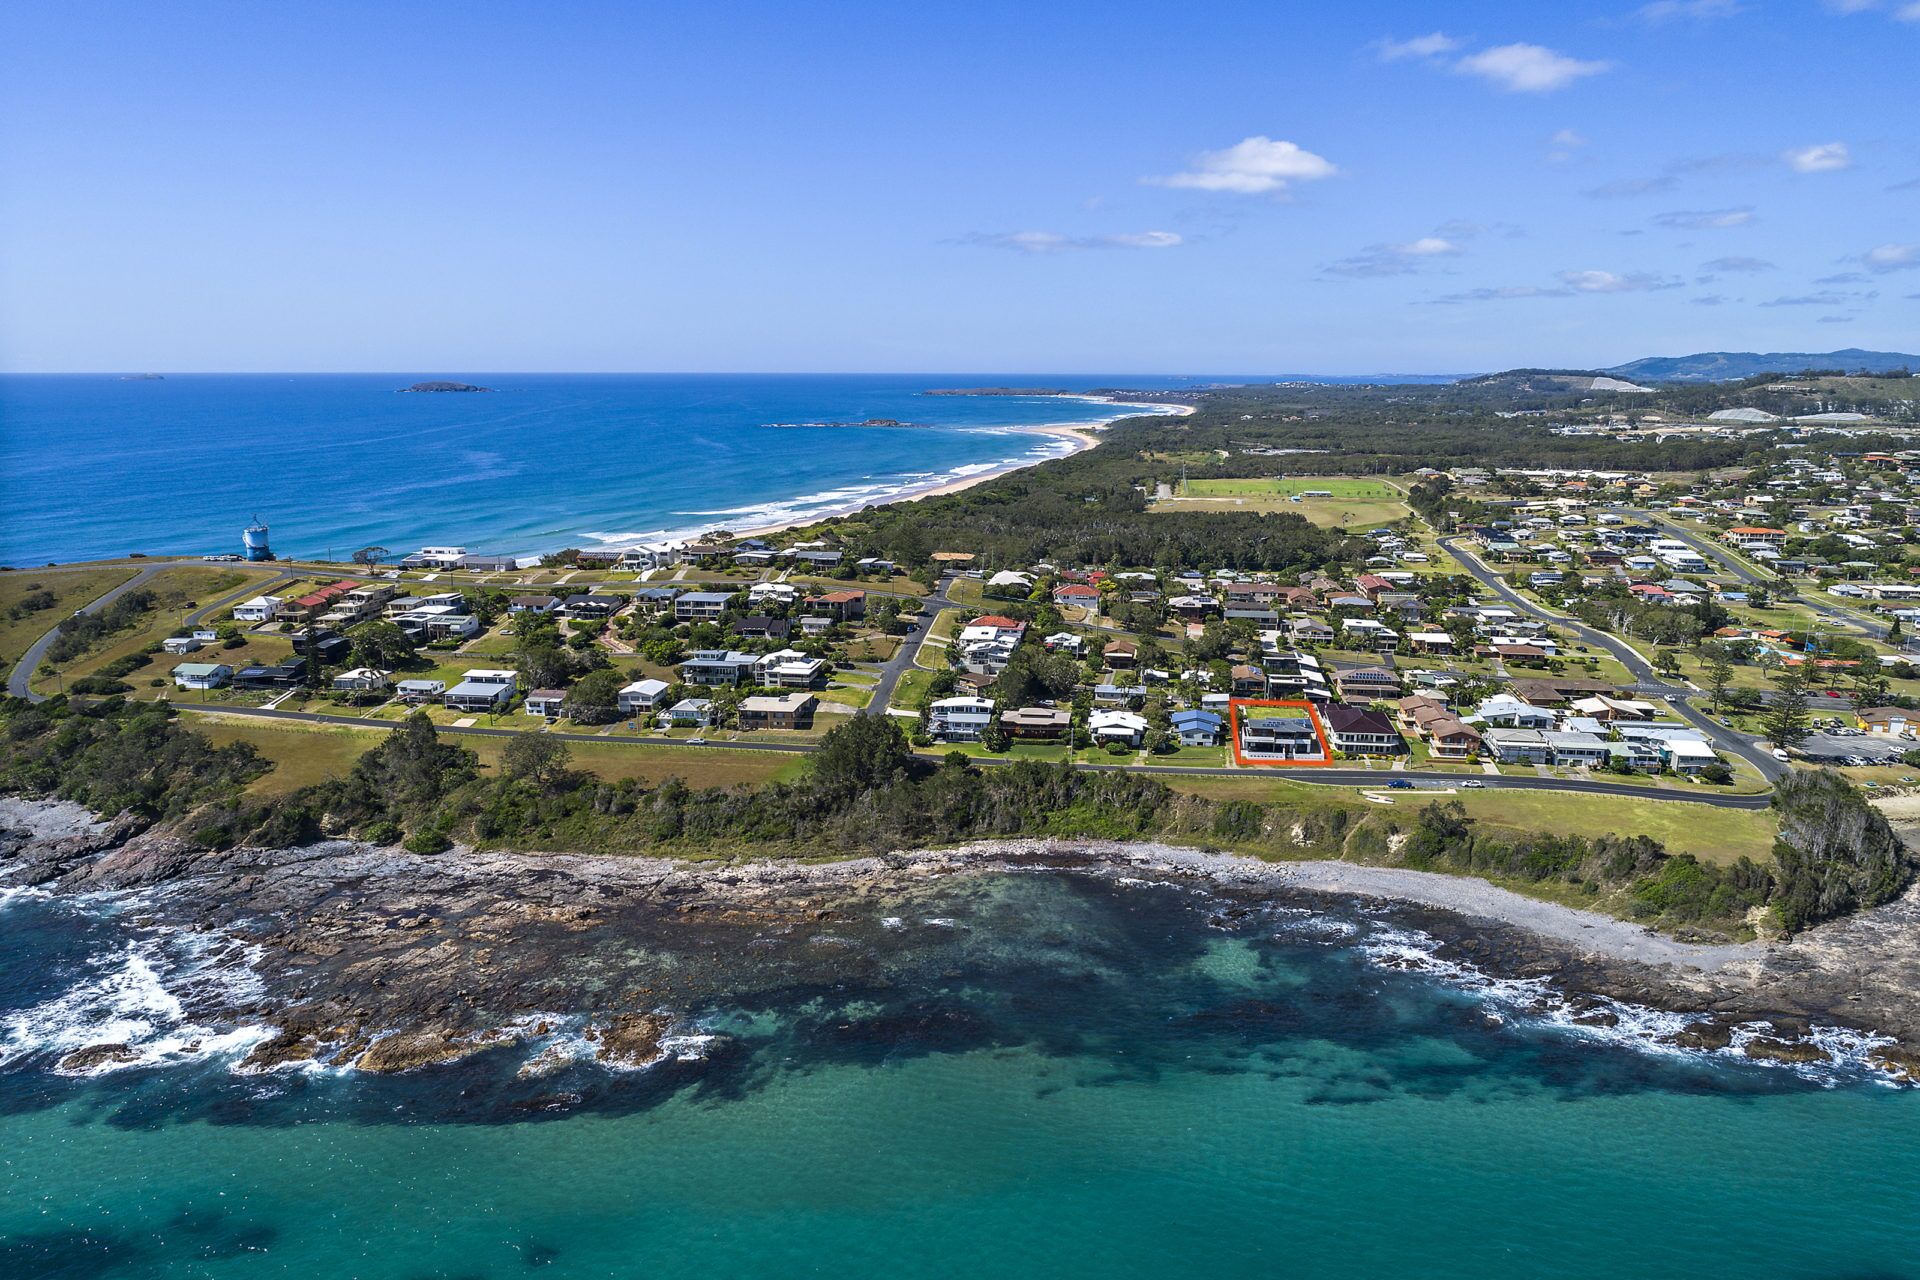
384, 960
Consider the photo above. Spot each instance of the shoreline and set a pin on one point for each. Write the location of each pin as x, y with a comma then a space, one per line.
1082, 436
365, 943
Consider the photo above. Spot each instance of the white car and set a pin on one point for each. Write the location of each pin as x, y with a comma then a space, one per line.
1473, 782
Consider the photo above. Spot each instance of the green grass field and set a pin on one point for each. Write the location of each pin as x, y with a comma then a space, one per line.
70, 588
1352, 502
304, 754
1711, 834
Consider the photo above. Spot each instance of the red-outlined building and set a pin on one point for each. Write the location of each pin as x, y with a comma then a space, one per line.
1238, 714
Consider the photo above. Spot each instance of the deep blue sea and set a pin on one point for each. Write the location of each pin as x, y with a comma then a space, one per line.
98, 466
1048, 1075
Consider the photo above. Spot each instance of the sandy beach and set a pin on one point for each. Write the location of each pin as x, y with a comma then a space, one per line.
1082, 436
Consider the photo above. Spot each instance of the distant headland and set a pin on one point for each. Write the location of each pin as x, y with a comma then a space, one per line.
444, 386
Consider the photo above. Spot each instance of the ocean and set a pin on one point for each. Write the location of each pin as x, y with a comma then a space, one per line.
98, 466
1013, 1074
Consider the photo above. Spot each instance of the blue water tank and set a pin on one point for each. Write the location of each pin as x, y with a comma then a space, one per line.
255, 537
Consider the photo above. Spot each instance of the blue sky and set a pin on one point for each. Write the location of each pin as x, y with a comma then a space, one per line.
1124, 187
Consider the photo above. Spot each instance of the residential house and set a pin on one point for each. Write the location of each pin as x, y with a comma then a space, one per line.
960, 719
1280, 734
1366, 683
1509, 712
642, 697
181, 644
201, 675
717, 667
359, 680
1248, 681
1036, 722
1362, 731
778, 711
690, 712
1117, 695
1118, 654
533, 604
841, 606
762, 627
481, 690
1127, 727
1077, 594
701, 606
1516, 746
416, 692
1197, 728
283, 675
258, 609
545, 702
790, 669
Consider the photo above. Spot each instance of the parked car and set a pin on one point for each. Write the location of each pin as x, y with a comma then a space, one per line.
1400, 784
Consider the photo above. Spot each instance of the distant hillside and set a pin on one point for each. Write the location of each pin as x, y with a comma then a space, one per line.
1726, 366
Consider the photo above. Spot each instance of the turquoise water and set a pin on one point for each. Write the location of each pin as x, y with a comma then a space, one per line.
1022, 1075
96, 466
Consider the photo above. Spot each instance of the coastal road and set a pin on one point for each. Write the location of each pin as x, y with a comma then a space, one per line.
1647, 682
908, 655
18, 679
1371, 779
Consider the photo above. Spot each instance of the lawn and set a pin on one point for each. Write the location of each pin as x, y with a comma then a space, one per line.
70, 588
304, 754
1712, 834
1354, 503
911, 693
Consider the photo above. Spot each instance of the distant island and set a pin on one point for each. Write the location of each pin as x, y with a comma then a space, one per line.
1729, 366
445, 386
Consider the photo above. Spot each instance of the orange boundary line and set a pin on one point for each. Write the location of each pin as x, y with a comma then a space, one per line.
1313, 718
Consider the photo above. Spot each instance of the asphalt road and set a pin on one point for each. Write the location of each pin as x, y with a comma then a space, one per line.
1647, 681
18, 678
904, 658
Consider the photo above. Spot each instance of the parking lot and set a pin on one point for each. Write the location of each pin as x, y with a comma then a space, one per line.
1854, 748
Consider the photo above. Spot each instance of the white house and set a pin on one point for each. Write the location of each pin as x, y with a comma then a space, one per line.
642, 696
360, 680
482, 690
959, 719
201, 675
1117, 726
258, 609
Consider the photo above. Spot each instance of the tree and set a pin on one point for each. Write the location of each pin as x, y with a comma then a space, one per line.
1718, 672
370, 555
381, 644
1786, 721
596, 698
861, 755
1667, 663
1870, 684
538, 758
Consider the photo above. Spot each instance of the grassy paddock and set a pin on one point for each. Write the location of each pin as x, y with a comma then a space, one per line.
305, 754
70, 588
1711, 834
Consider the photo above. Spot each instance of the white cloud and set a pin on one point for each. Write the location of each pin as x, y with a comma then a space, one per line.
1705, 219
1738, 264
1251, 166
1670, 10
1608, 282
1848, 7
1055, 242
1891, 257
1823, 158
1427, 46
1908, 12
1527, 68
1394, 259
1568, 138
